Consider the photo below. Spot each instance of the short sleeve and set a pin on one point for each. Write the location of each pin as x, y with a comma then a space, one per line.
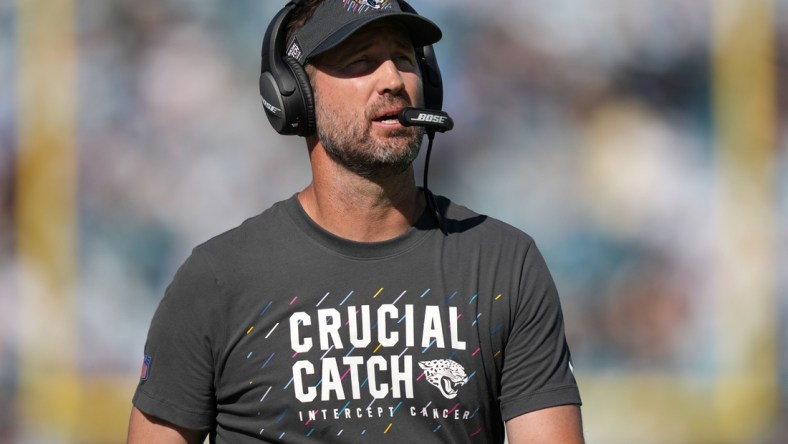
177, 380
537, 371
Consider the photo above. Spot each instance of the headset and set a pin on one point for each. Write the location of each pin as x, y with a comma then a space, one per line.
284, 85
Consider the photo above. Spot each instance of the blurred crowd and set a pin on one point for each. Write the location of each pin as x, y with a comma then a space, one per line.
588, 125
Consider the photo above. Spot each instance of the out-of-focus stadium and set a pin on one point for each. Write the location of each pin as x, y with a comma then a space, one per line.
643, 143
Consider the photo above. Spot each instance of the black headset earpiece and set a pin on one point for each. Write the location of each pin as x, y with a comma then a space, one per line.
285, 89
284, 85
430, 72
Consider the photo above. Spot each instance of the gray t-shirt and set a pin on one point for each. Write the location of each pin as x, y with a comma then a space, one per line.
278, 331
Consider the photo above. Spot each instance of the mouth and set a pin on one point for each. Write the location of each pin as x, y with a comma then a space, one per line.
388, 116
387, 120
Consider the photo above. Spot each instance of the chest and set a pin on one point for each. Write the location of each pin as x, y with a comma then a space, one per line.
397, 355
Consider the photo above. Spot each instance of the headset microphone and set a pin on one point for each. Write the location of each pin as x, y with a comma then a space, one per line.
433, 121
428, 118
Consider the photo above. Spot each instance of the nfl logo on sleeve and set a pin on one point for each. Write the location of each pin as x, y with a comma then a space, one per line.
145, 368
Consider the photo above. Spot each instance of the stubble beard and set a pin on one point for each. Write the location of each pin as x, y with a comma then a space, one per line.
352, 145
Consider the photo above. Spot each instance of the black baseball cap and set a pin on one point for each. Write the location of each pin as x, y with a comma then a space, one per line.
336, 20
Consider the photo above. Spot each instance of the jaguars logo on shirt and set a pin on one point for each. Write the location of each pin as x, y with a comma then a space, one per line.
448, 376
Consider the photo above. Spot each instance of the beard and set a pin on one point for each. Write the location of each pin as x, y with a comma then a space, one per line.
353, 146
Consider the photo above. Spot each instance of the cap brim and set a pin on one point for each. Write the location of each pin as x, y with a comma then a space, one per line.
422, 31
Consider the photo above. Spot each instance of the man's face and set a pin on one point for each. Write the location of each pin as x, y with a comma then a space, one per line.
360, 86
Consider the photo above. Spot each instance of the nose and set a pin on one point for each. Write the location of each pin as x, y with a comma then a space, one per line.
389, 78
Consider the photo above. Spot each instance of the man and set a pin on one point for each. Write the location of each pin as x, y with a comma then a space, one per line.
348, 312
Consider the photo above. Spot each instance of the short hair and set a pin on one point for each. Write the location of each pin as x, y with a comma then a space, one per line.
300, 15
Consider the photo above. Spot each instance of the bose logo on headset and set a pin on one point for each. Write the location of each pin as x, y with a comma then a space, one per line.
270, 107
284, 85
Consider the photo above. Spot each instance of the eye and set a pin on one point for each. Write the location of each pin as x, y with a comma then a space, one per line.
405, 62
359, 65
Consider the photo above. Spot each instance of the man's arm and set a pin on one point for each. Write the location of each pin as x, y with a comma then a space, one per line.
150, 430
561, 424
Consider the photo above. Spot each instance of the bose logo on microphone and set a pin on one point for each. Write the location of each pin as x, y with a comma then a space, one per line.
432, 118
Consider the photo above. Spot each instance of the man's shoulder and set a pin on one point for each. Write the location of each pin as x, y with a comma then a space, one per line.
461, 220
253, 233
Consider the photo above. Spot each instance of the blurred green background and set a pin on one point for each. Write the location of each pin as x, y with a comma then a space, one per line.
643, 143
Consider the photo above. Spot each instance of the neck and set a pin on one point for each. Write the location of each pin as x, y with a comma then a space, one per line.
358, 208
